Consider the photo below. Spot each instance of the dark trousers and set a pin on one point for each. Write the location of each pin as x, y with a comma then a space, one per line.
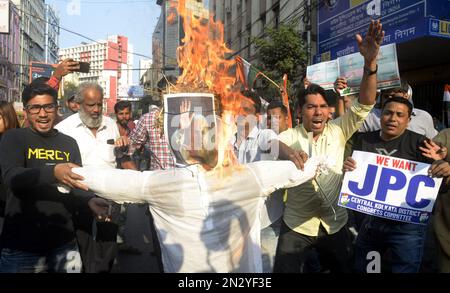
97, 241
155, 242
299, 253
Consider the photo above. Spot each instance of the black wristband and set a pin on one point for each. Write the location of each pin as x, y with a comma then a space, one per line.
369, 72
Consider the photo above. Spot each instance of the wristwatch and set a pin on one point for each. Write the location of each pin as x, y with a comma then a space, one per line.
369, 72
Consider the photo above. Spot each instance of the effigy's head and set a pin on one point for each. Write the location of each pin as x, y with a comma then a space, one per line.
194, 130
201, 142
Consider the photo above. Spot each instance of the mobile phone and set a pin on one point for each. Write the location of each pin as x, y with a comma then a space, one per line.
84, 67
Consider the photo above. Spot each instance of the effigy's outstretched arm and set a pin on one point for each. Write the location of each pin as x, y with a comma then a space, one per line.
118, 185
273, 175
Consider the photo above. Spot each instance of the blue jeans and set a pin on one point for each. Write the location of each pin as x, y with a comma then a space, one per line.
64, 259
405, 241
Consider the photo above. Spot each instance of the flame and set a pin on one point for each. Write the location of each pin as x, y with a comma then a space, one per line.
205, 67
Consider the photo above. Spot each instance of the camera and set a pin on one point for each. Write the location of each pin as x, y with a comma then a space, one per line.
121, 152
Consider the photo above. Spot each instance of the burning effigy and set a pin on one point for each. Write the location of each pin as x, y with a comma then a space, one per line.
206, 70
207, 213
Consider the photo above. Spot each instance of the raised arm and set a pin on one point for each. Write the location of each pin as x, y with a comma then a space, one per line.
339, 85
369, 47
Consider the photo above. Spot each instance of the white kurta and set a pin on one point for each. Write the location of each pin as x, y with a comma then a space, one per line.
206, 221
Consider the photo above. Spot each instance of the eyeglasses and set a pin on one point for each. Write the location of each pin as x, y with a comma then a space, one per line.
36, 109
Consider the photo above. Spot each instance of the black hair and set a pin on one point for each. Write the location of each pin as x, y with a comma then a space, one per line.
255, 99
312, 89
395, 90
396, 99
9, 115
38, 88
40, 79
119, 106
277, 104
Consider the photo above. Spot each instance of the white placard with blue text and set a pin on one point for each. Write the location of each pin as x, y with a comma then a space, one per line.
390, 188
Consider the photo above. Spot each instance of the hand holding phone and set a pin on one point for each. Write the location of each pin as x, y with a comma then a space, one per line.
84, 67
65, 67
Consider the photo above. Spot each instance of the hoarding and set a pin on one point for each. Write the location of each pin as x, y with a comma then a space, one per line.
403, 20
39, 69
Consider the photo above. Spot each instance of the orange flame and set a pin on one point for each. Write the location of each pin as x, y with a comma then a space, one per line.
205, 67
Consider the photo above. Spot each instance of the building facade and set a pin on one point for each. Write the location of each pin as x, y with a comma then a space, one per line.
51, 46
111, 65
144, 65
246, 19
10, 58
171, 34
157, 54
420, 30
32, 36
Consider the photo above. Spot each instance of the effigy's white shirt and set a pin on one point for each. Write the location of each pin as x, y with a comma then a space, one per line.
206, 221
257, 147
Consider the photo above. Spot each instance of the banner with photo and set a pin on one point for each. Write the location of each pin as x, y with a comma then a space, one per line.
390, 188
323, 74
351, 67
202, 106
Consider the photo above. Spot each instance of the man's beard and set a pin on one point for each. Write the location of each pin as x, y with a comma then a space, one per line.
88, 120
123, 123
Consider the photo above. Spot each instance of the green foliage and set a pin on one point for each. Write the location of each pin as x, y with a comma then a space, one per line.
281, 51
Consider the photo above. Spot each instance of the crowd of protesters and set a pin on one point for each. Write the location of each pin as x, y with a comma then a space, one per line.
55, 218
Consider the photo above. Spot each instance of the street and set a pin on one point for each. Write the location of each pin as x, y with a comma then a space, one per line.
137, 232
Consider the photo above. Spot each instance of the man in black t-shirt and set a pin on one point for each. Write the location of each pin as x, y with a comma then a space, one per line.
38, 233
405, 240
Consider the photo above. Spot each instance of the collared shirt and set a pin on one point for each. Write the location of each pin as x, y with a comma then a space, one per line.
305, 207
95, 150
147, 133
256, 147
421, 122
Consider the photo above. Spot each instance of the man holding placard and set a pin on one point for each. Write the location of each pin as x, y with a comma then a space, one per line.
312, 220
396, 191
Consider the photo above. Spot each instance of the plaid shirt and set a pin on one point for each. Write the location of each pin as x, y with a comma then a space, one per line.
148, 134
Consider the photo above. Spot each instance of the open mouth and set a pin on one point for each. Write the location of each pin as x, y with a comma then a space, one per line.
317, 123
43, 122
